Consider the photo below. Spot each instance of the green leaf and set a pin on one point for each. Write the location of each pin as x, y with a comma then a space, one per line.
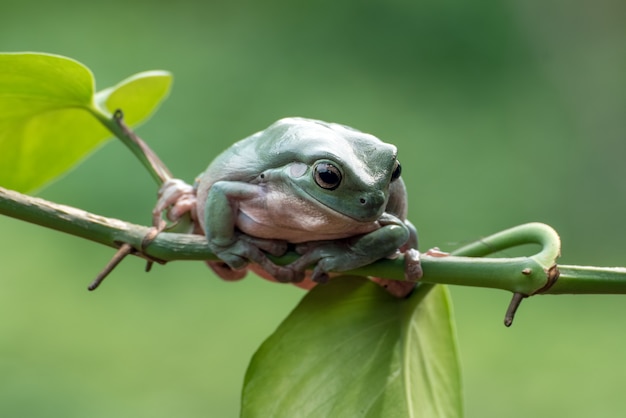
138, 95
349, 349
50, 116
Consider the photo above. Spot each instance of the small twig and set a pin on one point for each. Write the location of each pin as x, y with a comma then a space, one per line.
159, 169
124, 250
516, 300
157, 165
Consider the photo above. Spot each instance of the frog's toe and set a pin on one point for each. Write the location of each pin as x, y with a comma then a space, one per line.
171, 191
274, 247
186, 204
307, 247
412, 266
177, 198
320, 275
233, 261
288, 275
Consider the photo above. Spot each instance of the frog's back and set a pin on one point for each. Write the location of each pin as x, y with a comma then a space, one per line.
297, 140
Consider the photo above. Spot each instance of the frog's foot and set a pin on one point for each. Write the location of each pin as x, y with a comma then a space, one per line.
274, 247
310, 246
325, 256
177, 198
329, 256
284, 274
412, 265
236, 256
412, 273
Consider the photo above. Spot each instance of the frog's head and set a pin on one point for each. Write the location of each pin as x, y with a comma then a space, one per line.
343, 169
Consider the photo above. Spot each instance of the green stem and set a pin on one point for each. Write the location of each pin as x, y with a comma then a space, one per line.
590, 280
531, 233
106, 231
523, 275
115, 123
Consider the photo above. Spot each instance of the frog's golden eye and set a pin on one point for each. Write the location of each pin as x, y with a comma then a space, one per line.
397, 170
327, 176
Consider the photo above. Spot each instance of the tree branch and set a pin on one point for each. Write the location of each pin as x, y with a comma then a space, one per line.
527, 276
106, 231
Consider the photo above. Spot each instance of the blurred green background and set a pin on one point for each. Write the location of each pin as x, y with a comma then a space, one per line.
503, 112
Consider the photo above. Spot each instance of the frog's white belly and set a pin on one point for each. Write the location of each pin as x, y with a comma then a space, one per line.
280, 214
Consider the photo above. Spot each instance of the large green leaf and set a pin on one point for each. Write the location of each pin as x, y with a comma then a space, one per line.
351, 350
49, 114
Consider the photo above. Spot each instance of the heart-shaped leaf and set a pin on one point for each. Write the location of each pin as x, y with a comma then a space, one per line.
349, 349
49, 114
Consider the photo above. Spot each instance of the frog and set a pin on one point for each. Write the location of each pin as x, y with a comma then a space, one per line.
329, 192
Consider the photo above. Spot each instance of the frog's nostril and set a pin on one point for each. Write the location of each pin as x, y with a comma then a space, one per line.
369, 207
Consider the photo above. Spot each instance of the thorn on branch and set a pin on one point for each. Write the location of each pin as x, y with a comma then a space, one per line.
123, 251
513, 305
127, 249
553, 275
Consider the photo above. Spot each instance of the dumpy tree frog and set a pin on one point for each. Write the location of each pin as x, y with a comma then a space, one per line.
331, 193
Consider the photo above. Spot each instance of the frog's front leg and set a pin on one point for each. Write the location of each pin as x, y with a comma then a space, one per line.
222, 215
392, 237
177, 199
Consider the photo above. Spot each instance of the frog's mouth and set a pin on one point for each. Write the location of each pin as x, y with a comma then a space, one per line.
362, 207
289, 213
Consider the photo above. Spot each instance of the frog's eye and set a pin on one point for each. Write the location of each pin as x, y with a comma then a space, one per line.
327, 176
397, 170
